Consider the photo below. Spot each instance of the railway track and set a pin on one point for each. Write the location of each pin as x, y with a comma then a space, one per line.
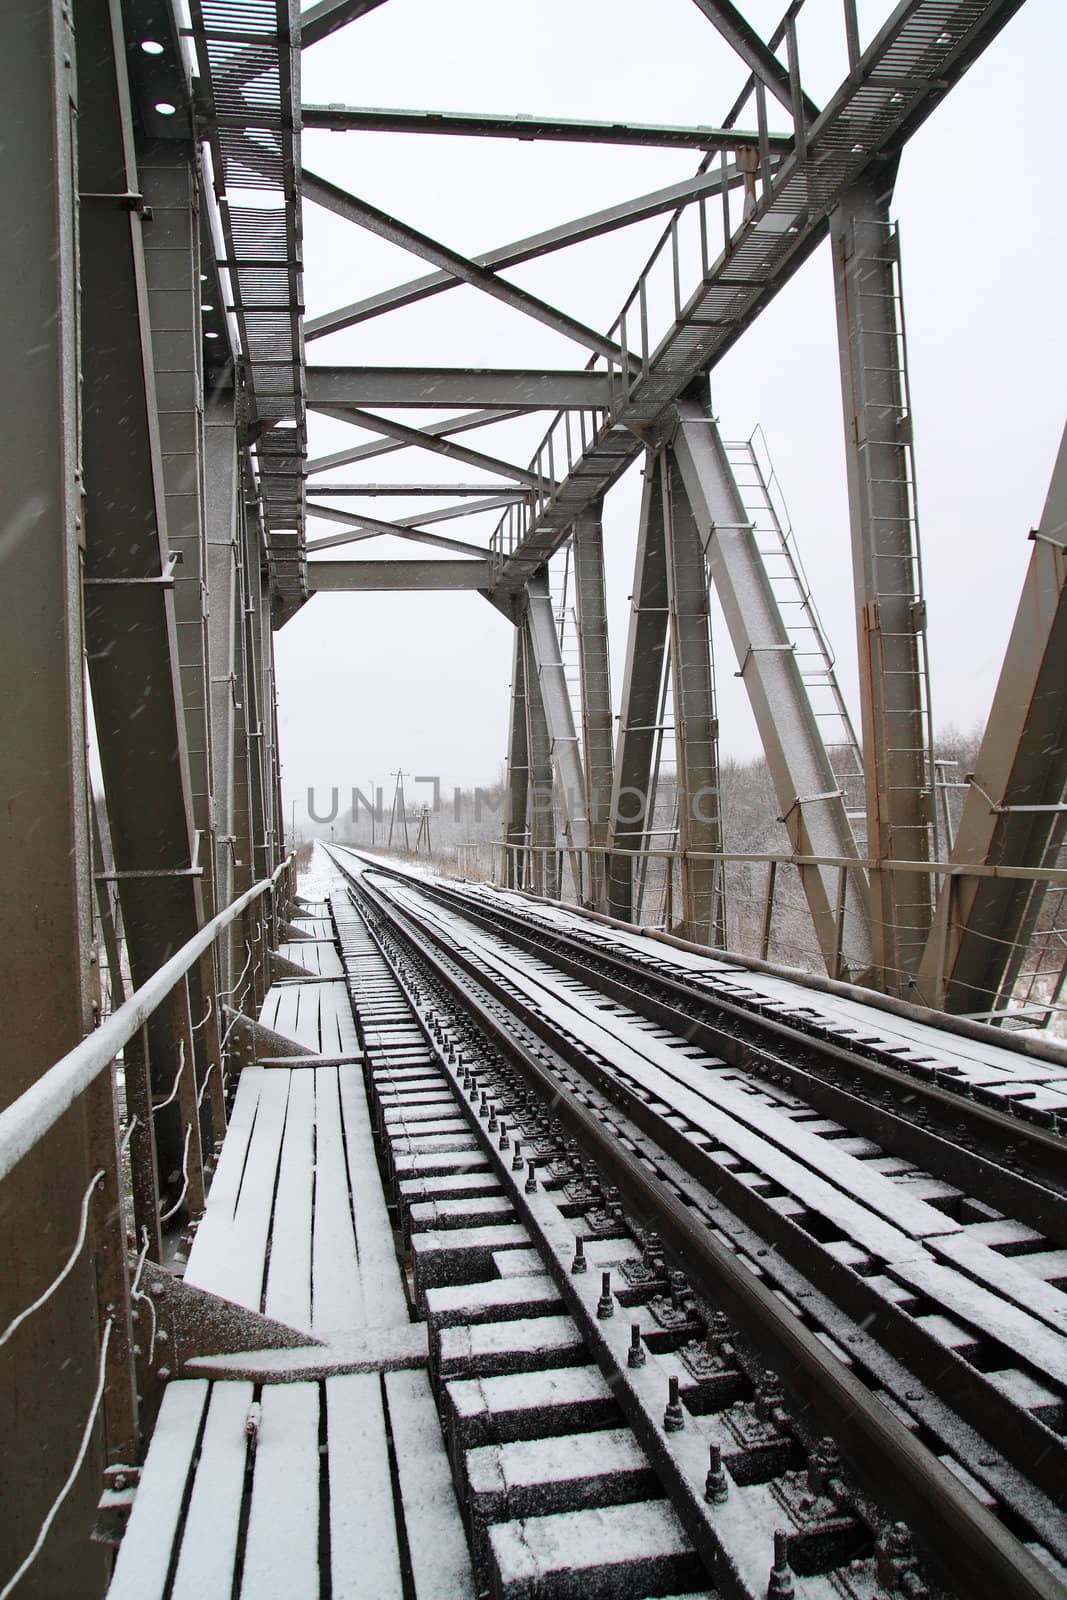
696, 1327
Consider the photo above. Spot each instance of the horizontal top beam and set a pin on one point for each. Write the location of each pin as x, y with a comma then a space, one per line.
503, 490
369, 575
457, 386
372, 119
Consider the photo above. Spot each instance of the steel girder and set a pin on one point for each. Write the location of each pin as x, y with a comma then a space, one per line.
330, 576
887, 576
554, 695
355, 388
221, 513
632, 792
516, 861
594, 673
1013, 814
543, 876
812, 804
696, 726
130, 624
45, 859
366, 119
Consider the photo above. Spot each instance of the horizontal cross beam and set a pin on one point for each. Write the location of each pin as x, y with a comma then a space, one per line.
509, 388
430, 430
370, 119
325, 576
426, 439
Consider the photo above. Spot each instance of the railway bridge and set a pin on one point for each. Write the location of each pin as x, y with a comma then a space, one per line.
374, 1232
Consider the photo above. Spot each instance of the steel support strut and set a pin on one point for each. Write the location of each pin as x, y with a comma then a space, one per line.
812, 804
594, 667
890, 611
555, 699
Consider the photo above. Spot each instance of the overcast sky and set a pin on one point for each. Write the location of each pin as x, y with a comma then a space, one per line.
371, 682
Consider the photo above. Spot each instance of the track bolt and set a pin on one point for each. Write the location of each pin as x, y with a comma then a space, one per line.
483, 1109
504, 1140
716, 1489
605, 1306
579, 1264
780, 1586
674, 1416
517, 1158
493, 1124
531, 1177
635, 1356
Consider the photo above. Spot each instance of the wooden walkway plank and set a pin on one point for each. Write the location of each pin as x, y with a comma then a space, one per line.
336, 1298
209, 1542
364, 1551
282, 1544
246, 1255
383, 1291
288, 1295
144, 1555
440, 1561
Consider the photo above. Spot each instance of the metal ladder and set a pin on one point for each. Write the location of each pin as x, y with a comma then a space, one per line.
772, 530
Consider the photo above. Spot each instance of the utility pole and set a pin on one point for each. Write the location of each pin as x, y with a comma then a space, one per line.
399, 810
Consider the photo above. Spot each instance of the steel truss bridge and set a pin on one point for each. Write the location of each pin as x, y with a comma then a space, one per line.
221, 1102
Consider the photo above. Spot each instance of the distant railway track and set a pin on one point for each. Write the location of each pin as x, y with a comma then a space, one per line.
876, 1274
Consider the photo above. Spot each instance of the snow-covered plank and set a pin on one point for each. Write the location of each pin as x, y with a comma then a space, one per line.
440, 1562
145, 1552
288, 1295
286, 999
383, 1292
336, 1297
636, 1549
364, 1551
209, 1542
245, 1255
282, 1544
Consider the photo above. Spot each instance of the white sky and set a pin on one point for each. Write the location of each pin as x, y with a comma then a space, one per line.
370, 682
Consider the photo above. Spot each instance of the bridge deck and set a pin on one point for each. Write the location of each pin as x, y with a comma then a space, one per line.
262, 1488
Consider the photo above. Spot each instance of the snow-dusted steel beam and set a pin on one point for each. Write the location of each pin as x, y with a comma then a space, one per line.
325, 576
555, 697
371, 119
329, 15
435, 430
427, 439
383, 226
756, 55
812, 805
1012, 813
533, 389
529, 249
632, 796
504, 494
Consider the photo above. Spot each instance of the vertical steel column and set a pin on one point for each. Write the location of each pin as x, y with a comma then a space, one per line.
516, 873
50, 1362
1013, 813
172, 281
541, 806
221, 525
813, 805
554, 697
887, 574
594, 666
696, 724
632, 800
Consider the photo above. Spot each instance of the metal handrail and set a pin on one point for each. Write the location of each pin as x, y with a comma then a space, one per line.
26, 1121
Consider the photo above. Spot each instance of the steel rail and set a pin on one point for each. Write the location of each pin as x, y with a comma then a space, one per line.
26, 1121
986, 1559
766, 1043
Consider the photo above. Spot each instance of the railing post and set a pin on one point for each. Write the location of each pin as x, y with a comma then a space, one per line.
142, 1143
211, 1048
121, 1430
768, 912
191, 1192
